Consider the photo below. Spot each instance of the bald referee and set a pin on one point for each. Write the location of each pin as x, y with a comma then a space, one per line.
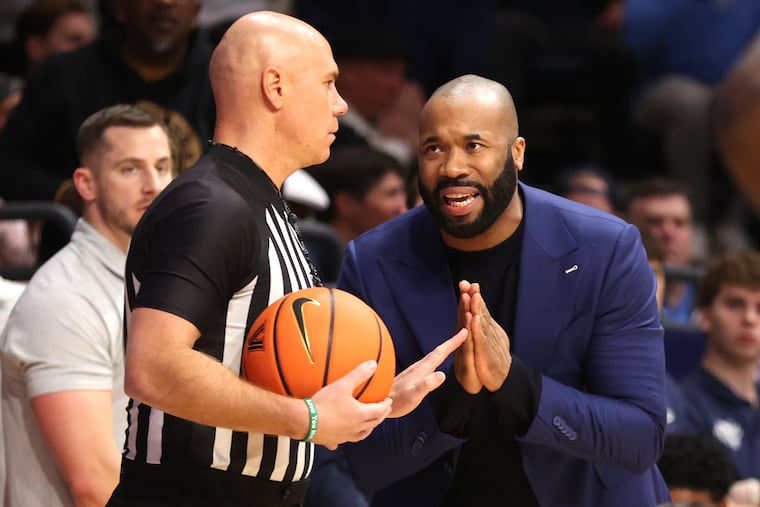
218, 246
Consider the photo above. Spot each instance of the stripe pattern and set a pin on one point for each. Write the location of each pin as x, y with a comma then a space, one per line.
156, 437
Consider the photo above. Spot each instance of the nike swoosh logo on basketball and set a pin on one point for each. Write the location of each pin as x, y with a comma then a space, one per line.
298, 312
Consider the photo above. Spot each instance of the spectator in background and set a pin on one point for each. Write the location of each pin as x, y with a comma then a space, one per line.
372, 61
153, 53
662, 208
676, 403
684, 49
591, 185
724, 391
696, 469
47, 27
63, 401
366, 188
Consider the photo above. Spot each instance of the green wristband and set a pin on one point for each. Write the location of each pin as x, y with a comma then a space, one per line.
313, 419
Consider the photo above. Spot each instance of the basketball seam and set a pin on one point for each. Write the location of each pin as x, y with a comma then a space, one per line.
331, 329
280, 373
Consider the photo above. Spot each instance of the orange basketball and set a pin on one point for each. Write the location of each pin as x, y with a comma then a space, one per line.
312, 337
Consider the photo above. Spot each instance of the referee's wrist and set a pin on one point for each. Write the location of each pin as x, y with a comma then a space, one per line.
313, 422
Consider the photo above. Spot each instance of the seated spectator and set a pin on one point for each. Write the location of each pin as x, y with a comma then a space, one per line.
372, 61
662, 208
676, 403
696, 469
591, 185
47, 27
153, 52
63, 400
724, 391
365, 186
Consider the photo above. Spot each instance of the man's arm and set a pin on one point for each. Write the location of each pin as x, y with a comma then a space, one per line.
78, 428
164, 371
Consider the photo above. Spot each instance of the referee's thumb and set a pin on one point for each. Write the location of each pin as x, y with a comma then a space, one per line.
359, 375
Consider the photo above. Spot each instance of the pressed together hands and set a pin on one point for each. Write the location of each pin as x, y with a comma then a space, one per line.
481, 360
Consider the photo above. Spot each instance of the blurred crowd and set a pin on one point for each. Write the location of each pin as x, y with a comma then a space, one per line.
624, 104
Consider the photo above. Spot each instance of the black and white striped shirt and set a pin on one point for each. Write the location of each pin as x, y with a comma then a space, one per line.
216, 248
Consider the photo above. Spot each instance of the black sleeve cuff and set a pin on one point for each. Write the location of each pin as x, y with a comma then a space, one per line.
518, 397
452, 406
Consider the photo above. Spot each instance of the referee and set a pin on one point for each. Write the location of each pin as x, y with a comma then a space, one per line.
215, 249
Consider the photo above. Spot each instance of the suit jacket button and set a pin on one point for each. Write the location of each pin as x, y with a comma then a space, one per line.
418, 443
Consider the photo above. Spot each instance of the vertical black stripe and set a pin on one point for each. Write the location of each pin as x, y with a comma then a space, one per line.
308, 456
287, 240
290, 472
141, 442
268, 456
238, 453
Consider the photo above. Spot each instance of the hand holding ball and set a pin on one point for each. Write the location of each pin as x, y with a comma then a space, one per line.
312, 337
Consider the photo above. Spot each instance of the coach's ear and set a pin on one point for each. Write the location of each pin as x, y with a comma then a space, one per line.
272, 87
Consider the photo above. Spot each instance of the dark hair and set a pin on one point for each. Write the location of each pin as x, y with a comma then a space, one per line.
697, 462
736, 268
90, 134
354, 170
657, 187
563, 186
39, 18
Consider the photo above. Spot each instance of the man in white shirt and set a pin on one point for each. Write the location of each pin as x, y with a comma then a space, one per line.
63, 401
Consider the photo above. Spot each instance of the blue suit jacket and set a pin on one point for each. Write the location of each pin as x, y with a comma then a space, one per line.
586, 318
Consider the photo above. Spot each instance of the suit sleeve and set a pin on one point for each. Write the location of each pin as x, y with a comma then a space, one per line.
619, 416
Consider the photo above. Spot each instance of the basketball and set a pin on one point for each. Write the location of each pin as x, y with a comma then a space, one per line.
312, 337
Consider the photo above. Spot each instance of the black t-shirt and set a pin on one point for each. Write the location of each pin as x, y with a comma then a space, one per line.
489, 470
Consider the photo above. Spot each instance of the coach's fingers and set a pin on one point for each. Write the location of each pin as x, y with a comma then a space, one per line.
414, 383
439, 354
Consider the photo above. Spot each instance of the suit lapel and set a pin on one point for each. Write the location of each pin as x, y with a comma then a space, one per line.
421, 285
550, 266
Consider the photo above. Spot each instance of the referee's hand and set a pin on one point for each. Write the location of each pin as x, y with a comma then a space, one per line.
342, 418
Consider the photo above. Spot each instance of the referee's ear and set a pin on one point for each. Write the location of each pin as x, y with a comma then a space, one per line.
272, 83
